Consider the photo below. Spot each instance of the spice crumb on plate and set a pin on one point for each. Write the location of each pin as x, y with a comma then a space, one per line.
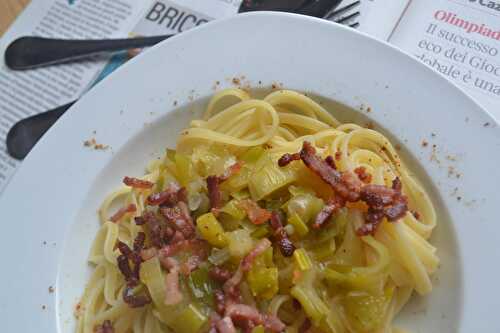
92, 143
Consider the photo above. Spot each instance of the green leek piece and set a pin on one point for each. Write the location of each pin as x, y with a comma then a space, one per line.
184, 168
268, 177
261, 232
263, 281
298, 190
298, 225
232, 208
302, 260
354, 280
252, 155
324, 250
312, 304
205, 158
265, 259
202, 286
218, 257
240, 195
305, 292
191, 320
211, 230
258, 329
263, 276
305, 205
238, 181
367, 311
240, 243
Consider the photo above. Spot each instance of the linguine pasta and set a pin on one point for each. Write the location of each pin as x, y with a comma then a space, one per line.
270, 216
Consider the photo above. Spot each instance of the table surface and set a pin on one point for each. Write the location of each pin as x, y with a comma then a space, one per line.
9, 9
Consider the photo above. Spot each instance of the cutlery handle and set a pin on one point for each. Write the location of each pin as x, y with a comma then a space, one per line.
25, 133
31, 52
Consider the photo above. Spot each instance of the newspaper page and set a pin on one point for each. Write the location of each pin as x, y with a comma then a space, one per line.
461, 40
25, 93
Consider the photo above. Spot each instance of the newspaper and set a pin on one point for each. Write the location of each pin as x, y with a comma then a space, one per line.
461, 40
26, 93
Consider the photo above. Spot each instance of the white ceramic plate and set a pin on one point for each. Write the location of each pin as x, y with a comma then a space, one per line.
48, 212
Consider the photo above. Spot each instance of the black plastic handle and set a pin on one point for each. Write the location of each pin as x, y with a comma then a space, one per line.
23, 136
31, 52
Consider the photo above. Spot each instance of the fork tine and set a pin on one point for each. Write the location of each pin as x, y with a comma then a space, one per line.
343, 9
348, 17
318, 8
354, 25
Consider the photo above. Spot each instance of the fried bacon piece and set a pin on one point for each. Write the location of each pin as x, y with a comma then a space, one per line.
193, 245
106, 327
131, 208
199, 253
225, 325
364, 176
124, 267
220, 274
139, 242
173, 294
281, 237
220, 301
137, 183
169, 197
124, 249
214, 193
256, 214
344, 184
331, 207
213, 185
158, 232
242, 315
273, 323
331, 162
178, 216
288, 158
135, 301
383, 202
131, 272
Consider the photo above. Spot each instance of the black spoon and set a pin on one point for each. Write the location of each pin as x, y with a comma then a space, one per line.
25, 133
30, 52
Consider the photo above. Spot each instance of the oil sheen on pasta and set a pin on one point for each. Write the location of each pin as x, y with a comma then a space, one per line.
332, 279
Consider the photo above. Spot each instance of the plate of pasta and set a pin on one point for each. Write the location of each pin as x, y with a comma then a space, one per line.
248, 190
